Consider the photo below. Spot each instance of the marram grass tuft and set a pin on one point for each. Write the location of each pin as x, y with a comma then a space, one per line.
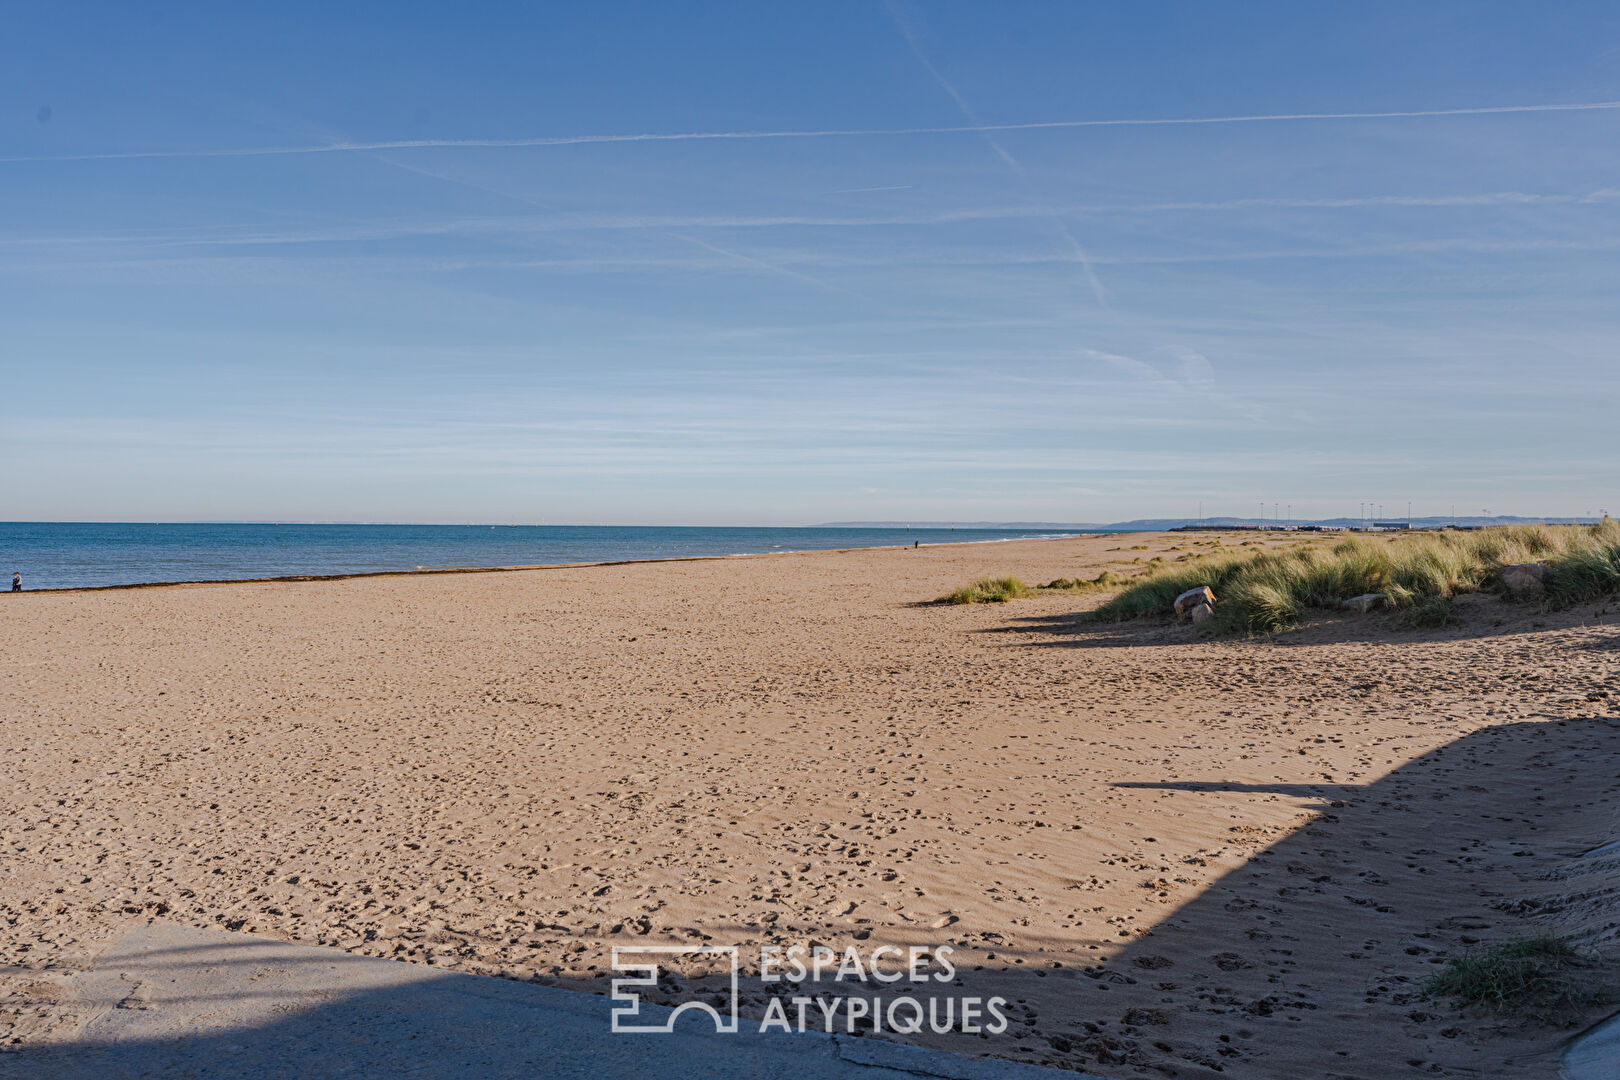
1418, 573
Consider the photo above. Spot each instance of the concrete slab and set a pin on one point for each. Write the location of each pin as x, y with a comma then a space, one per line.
1595, 1055
178, 1003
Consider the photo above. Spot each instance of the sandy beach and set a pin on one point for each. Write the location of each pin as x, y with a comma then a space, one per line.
1174, 855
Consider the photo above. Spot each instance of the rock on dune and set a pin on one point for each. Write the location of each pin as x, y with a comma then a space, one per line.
1527, 579
1192, 598
1365, 602
1200, 613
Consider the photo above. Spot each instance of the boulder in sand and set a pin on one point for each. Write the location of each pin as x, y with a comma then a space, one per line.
1200, 613
1192, 598
1526, 579
1365, 602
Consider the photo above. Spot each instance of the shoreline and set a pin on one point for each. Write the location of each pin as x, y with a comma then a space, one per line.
441, 570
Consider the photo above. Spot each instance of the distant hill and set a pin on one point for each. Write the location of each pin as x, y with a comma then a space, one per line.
1057, 525
1161, 524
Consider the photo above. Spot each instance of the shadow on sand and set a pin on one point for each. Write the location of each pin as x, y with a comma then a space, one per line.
1309, 959
1477, 616
1306, 960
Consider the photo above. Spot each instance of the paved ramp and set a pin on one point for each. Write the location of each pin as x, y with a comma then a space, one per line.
175, 1003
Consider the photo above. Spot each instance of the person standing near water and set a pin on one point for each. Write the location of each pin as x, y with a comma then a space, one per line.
16, 582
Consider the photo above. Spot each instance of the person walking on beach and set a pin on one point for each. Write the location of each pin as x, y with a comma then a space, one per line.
16, 582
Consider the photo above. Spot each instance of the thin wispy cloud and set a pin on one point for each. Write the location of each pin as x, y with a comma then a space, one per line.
256, 235
566, 215
1194, 383
827, 133
749, 260
862, 190
252, 235
785, 262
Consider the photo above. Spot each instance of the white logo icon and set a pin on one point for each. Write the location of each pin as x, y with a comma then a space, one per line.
625, 1016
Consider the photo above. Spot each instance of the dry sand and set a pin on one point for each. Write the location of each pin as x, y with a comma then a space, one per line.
1176, 856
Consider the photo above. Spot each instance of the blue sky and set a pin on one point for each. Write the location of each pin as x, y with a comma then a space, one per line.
395, 261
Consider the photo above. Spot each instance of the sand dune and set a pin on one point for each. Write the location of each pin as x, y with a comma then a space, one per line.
1173, 855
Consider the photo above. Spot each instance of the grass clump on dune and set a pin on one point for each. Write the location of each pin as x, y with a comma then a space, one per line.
1539, 978
1418, 574
987, 590
1589, 573
1427, 613
1105, 580
998, 590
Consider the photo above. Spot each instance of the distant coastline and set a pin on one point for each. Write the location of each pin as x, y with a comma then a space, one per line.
1163, 524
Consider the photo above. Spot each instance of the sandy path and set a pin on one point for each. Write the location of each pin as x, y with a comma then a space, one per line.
1174, 855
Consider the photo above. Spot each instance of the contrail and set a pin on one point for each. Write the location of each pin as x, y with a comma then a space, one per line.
830, 133
1063, 231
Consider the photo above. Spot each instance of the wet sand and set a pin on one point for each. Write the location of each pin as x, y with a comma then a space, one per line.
1172, 855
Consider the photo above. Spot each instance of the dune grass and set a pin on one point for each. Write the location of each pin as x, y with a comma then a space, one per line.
1105, 580
1543, 978
987, 590
991, 590
1418, 573
1427, 613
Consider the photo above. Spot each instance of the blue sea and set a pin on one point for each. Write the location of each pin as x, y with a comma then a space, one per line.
60, 555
